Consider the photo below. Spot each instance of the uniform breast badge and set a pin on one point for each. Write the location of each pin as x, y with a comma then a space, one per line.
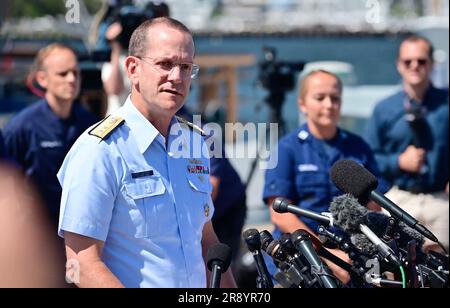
206, 209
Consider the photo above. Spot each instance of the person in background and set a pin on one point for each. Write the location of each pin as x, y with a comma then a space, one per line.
2, 146
408, 133
135, 212
39, 137
306, 155
115, 82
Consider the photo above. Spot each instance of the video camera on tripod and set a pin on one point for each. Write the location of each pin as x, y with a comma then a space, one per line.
277, 77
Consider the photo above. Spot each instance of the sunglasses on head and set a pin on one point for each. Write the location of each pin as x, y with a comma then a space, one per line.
420, 62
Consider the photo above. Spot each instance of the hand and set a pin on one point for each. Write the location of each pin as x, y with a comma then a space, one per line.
113, 31
340, 273
412, 159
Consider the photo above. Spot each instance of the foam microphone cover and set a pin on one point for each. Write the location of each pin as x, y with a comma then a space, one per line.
363, 244
347, 213
352, 178
219, 253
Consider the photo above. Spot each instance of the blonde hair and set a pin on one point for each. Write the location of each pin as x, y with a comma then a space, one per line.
304, 81
42, 55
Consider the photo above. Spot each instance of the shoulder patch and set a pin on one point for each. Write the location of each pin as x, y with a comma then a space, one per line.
106, 127
192, 126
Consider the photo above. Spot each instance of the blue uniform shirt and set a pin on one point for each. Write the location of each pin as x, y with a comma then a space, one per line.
2, 146
231, 189
304, 163
146, 201
389, 134
37, 139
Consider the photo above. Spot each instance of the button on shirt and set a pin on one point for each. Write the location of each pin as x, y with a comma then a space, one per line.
38, 140
304, 163
146, 201
389, 134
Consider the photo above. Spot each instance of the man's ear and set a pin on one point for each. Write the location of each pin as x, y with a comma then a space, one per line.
133, 67
41, 79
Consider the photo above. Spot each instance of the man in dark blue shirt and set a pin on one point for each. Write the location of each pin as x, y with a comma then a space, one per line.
2, 146
408, 133
229, 202
39, 137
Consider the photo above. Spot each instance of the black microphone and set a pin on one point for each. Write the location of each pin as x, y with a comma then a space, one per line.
218, 261
282, 205
348, 215
266, 238
253, 240
302, 242
354, 179
379, 223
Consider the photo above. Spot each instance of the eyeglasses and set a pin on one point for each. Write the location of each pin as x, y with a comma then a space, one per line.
420, 62
166, 67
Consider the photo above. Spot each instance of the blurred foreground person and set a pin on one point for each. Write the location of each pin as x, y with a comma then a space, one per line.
30, 256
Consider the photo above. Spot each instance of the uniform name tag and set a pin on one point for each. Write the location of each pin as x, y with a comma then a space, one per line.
142, 174
307, 167
51, 144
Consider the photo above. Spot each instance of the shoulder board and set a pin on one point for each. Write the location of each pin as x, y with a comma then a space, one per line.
106, 127
192, 126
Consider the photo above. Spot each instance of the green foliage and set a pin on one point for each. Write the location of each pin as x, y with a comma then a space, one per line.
93, 5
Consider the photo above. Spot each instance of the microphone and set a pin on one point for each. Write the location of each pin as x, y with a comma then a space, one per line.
282, 205
354, 179
302, 242
348, 215
265, 238
253, 240
219, 258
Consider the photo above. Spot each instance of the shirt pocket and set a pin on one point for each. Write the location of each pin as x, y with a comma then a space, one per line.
312, 186
200, 183
146, 200
200, 202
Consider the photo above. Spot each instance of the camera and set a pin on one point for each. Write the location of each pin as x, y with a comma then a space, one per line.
277, 77
130, 17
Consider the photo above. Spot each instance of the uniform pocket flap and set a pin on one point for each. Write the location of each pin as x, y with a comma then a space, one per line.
200, 183
145, 188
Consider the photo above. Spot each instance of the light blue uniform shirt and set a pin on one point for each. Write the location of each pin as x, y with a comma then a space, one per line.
146, 203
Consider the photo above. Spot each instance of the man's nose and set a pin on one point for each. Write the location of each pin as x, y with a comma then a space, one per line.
328, 102
175, 74
72, 76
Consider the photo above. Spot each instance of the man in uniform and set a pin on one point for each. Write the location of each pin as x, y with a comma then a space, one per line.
40, 136
136, 207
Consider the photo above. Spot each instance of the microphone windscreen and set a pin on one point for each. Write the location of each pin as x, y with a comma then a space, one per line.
347, 213
219, 253
363, 244
407, 234
352, 178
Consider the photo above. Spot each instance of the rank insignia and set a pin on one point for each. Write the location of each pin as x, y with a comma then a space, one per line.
106, 127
